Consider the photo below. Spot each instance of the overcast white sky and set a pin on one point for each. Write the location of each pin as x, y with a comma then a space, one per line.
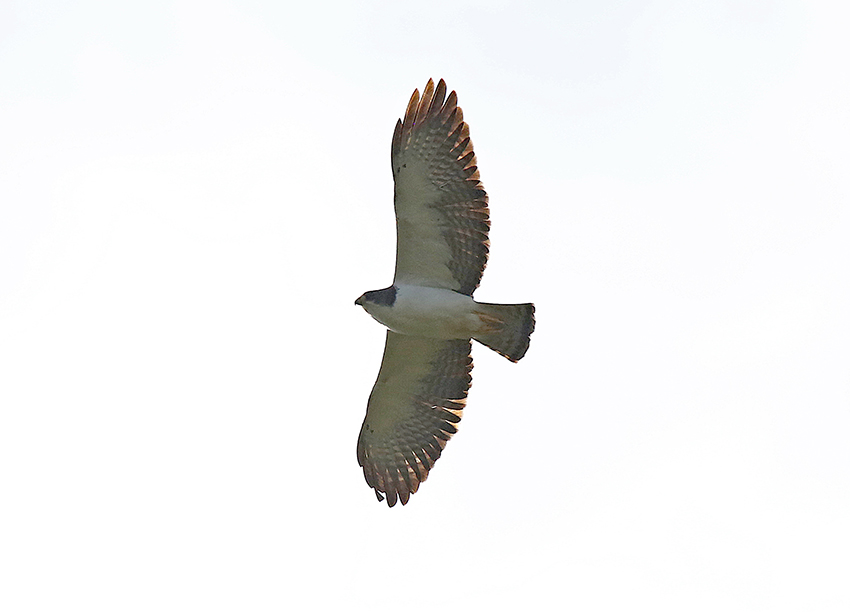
193, 194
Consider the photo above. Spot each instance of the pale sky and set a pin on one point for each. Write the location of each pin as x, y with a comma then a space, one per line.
193, 194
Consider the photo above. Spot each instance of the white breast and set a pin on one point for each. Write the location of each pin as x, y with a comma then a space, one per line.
428, 312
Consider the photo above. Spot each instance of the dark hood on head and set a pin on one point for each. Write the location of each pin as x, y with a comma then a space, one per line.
384, 297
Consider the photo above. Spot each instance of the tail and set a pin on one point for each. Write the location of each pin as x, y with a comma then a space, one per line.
509, 327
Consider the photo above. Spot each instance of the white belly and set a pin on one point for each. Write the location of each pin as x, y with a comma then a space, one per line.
428, 312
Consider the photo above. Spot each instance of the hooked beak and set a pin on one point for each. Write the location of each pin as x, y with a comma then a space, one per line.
359, 301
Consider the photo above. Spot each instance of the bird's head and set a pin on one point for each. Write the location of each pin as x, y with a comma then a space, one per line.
384, 297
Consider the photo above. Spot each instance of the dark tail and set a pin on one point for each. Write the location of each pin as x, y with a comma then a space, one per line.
510, 326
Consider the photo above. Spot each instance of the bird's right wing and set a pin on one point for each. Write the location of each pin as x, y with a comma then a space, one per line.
413, 410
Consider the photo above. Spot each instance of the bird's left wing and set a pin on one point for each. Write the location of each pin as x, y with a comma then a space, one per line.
413, 410
442, 219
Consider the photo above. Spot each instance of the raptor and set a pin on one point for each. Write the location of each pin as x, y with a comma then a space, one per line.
442, 223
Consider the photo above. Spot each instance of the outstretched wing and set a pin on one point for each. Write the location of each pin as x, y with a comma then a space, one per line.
413, 410
441, 211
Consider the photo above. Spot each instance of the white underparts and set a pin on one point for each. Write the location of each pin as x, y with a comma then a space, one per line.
430, 313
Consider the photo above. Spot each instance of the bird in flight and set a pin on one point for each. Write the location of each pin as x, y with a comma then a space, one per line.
442, 221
